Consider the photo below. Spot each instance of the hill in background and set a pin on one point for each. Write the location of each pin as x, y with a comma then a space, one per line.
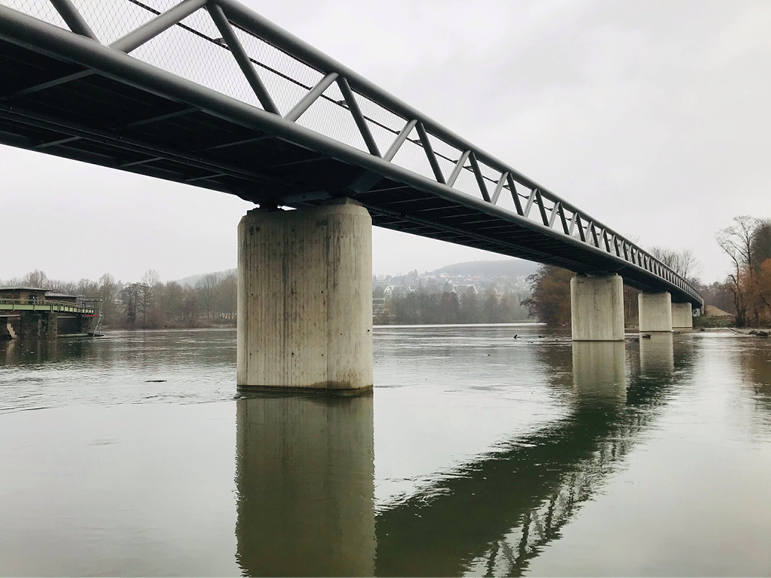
504, 268
193, 279
510, 268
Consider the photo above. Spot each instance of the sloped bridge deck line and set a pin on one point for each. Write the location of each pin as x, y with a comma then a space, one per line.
210, 94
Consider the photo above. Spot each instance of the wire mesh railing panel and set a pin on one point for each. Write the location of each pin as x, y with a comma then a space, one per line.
214, 67
286, 79
379, 115
467, 182
40, 9
447, 156
412, 157
328, 117
113, 20
384, 137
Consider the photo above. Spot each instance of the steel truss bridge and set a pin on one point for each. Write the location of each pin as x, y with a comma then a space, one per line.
209, 93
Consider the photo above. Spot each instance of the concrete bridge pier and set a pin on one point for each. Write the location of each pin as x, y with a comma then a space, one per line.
305, 299
597, 308
682, 316
655, 310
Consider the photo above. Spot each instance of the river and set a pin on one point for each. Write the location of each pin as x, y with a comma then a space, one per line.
483, 450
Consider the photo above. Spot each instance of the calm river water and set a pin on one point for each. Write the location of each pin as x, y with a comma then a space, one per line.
488, 450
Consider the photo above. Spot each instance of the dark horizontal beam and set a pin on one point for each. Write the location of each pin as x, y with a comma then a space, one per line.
41, 121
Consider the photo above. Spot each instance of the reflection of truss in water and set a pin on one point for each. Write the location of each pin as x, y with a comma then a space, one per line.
511, 554
499, 512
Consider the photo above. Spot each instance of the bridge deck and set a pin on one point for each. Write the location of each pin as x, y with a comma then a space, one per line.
67, 95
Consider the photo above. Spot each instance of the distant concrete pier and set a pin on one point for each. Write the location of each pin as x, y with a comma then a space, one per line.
655, 310
682, 316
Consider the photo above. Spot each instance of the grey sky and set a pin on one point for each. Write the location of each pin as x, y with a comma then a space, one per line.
651, 116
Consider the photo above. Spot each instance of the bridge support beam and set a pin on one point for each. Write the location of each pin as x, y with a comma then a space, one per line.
305, 299
682, 316
655, 310
597, 308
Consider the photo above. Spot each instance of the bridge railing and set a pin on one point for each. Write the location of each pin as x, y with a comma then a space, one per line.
221, 45
44, 305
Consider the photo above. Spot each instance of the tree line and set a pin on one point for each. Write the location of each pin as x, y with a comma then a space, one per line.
747, 242
745, 293
150, 303
423, 307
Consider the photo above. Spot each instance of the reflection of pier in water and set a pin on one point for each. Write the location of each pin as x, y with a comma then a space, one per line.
306, 491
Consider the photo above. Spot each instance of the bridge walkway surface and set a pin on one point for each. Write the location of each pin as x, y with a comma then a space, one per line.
211, 94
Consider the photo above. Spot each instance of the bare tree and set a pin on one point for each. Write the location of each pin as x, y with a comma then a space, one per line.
207, 289
108, 293
737, 242
36, 279
682, 262
226, 294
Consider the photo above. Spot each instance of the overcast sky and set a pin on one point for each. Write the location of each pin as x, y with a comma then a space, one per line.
653, 116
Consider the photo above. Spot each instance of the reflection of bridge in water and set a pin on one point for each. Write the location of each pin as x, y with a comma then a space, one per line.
306, 491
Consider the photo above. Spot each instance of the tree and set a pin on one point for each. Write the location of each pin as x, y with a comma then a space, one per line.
682, 262
737, 242
129, 297
760, 249
550, 299
469, 307
171, 299
206, 289
36, 279
226, 295
108, 293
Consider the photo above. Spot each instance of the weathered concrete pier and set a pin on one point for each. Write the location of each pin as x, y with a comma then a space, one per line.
305, 299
